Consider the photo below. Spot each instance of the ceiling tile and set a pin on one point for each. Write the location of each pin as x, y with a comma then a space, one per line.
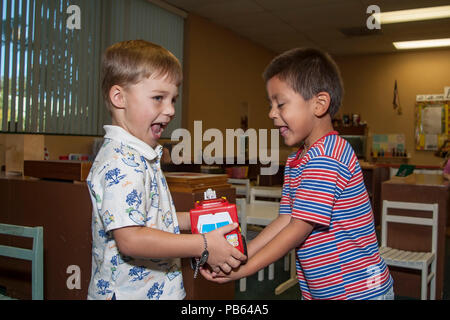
252, 20
228, 9
333, 16
389, 5
283, 5
189, 5
283, 24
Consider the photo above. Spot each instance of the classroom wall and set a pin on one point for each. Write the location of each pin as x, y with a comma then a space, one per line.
223, 78
369, 86
32, 146
222, 81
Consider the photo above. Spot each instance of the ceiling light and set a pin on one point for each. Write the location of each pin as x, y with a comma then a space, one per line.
413, 15
422, 44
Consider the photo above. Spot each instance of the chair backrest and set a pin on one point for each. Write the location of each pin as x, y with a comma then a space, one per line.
35, 255
432, 222
265, 192
245, 190
242, 214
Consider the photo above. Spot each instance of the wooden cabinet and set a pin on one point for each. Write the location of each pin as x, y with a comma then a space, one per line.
373, 178
184, 198
64, 209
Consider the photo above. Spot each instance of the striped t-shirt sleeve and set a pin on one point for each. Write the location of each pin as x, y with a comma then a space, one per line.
285, 202
322, 181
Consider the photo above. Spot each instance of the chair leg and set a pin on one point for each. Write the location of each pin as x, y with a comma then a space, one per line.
424, 287
271, 271
433, 281
286, 262
261, 275
243, 284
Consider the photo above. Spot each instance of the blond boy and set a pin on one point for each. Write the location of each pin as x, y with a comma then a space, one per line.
137, 243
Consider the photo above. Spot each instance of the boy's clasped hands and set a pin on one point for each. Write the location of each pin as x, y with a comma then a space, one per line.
223, 257
234, 265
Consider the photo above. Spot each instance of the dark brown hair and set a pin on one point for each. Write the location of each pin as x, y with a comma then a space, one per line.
308, 71
128, 62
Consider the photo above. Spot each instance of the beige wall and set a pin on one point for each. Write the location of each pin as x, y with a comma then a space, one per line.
14, 148
58, 145
369, 84
222, 76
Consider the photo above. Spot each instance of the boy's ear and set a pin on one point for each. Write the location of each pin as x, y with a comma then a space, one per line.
322, 103
117, 96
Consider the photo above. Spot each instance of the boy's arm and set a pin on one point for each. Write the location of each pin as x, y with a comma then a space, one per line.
289, 237
145, 242
267, 234
184, 220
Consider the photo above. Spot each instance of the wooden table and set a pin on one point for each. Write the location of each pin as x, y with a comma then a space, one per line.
421, 188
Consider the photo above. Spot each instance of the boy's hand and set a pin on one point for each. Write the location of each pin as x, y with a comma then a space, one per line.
221, 277
222, 255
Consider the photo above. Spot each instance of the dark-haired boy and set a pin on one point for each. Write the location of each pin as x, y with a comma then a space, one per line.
325, 212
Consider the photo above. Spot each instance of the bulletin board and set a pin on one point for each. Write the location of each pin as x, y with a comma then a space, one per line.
388, 142
432, 124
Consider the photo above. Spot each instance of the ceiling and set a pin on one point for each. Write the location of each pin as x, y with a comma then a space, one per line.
284, 24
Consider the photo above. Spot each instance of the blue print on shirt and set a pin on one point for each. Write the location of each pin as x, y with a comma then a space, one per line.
134, 200
156, 291
138, 273
103, 286
114, 176
129, 160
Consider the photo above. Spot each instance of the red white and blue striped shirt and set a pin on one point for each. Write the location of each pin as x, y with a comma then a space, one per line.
340, 258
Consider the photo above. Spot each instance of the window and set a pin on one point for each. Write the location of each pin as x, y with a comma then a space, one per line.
50, 67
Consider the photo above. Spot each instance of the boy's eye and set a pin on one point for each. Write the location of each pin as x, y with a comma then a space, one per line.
158, 98
280, 105
174, 100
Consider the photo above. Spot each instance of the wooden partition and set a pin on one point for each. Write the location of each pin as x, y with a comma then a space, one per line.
64, 210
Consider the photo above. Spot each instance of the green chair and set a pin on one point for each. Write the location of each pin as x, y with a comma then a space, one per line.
35, 255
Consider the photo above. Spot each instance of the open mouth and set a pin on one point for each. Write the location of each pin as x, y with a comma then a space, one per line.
158, 128
283, 130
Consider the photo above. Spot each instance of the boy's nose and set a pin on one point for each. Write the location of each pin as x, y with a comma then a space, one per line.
169, 110
273, 113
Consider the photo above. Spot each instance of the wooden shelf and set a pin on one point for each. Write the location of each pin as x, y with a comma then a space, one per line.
351, 130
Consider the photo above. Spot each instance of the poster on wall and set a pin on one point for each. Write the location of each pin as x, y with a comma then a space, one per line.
387, 144
432, 122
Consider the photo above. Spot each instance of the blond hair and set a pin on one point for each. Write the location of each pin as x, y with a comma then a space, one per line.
128, 62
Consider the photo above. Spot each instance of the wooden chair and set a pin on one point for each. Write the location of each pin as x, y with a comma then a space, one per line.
409, 259
242, 187
35, 255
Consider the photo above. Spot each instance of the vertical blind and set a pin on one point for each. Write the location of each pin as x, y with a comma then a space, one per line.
50, 72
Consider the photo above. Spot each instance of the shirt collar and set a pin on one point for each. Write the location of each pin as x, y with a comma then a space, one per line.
121, 135
297, 160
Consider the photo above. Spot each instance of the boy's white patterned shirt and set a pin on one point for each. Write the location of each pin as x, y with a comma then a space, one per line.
127, 188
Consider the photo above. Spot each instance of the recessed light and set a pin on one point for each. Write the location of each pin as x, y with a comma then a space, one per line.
416, 44
430, 13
